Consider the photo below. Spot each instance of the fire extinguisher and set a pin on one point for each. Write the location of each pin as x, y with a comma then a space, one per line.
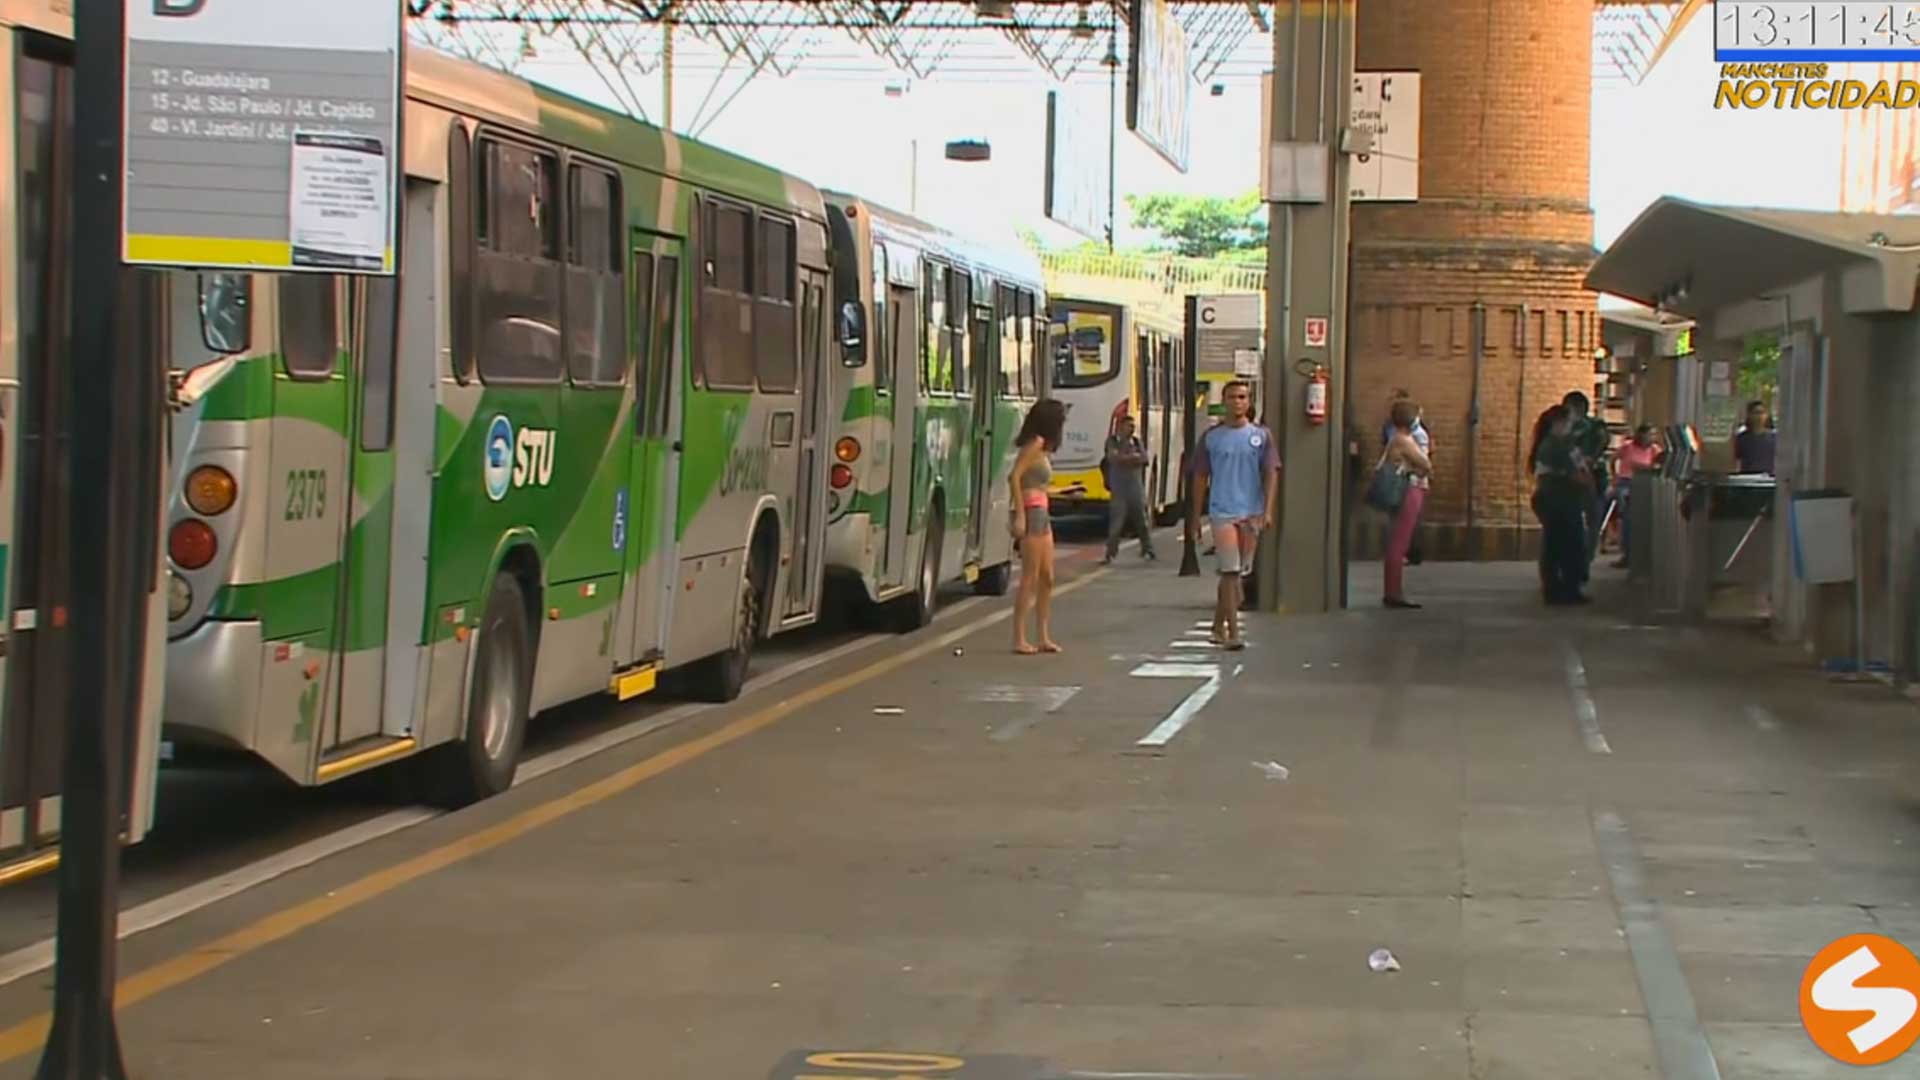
1317, 396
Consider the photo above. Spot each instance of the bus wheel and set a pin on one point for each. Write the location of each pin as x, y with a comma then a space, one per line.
721, 677
483, 763
994, 580
916, 611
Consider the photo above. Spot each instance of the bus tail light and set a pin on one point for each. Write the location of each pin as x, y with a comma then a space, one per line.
847, 449
842, 476
211, 490
191, 544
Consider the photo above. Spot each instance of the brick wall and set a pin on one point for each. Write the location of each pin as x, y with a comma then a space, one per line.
1503, 221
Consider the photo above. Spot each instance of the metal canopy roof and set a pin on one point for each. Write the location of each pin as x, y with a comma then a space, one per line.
1229, 41
1692, 258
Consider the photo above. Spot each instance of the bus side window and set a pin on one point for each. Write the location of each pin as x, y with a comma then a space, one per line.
596, 304
935, 376
904, 349
644, 360
725, 325
1156, 370
666, 328
878, 329
959, 303
773, 316
517, 269
811, 326
1169, 362
379, 352
1007, 324
1029, 346
461, 230
309, 324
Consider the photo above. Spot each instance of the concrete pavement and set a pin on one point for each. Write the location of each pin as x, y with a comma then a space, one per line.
1596, 850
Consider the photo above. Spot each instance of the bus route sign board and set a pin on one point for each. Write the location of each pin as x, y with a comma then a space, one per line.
262, 136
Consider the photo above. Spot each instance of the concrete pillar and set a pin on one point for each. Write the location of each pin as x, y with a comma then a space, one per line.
1313, 48
1503, 220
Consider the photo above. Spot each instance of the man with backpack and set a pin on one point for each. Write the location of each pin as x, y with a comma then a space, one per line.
1125, 471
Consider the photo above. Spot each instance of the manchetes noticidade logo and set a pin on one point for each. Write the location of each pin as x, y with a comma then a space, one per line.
1808, 86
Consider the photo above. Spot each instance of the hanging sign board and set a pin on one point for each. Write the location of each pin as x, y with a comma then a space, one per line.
1159, 76
262, 136
1386, 107
1226, 335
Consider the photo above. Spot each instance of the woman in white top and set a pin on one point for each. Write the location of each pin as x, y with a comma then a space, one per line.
1404, 453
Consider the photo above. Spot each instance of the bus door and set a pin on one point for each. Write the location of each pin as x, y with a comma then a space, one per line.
645, 514
382, 504
34, 425
36, 429
803, 578
903, 346
984, 357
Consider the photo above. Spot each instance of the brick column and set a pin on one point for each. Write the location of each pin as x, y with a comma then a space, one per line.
1503, 221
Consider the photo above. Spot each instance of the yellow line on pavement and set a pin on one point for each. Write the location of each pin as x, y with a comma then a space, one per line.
30, 1035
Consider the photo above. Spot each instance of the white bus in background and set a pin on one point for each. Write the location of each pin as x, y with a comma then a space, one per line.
1111, 361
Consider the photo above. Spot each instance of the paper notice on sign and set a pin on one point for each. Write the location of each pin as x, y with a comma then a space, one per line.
339, 205
1246, 363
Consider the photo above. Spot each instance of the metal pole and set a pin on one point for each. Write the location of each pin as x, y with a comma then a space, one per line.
913, 178
111, 417
1113, 132
666, 70
1193, 413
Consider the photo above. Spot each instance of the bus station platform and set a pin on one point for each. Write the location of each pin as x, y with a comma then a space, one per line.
1590, 849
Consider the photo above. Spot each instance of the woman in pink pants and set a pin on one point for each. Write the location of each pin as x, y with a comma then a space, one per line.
1405, 454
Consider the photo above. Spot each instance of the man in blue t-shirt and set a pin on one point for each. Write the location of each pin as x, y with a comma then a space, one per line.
1236, 484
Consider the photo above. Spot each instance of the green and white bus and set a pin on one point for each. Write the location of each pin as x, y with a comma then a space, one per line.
36, 304
575, 444
940, 358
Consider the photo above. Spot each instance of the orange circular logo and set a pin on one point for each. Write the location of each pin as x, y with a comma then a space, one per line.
1860, 999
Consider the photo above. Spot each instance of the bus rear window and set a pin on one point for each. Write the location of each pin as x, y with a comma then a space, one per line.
1084, 352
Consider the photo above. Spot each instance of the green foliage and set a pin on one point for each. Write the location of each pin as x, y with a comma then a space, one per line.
1758, 373
1203, 226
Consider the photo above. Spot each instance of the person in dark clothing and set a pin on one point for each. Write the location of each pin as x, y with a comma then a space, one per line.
1562, 482
1125, 468
1753, 444
1591, 438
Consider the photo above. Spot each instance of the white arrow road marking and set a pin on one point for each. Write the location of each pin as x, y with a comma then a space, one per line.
1183, 713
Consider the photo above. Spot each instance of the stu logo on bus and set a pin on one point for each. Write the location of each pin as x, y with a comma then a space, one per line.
516, 460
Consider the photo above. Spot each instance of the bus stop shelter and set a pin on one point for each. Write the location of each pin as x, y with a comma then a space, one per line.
1838, 290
